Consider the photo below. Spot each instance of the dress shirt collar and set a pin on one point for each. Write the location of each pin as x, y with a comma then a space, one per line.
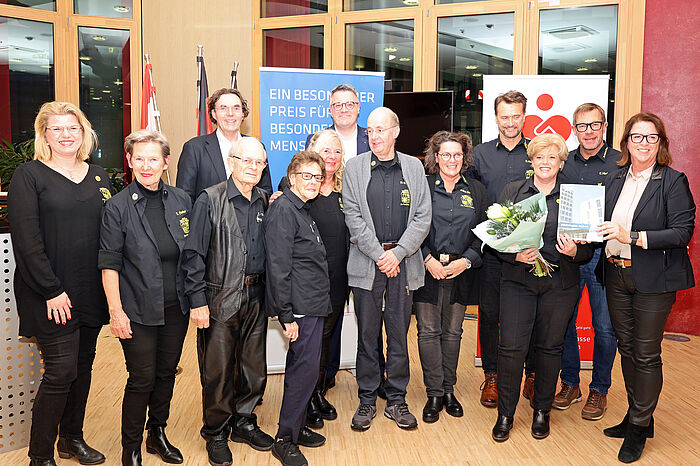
523, 142
136, 194
644, 175
601, 154
296, 200
375, 162
232, 191
529, 186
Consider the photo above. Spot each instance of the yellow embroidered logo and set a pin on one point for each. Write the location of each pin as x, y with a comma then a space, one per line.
340, 203
405, 197
603, 173
105, 194
373, 163
259, 217
437, 181
180, 212
98, 178
185, 225
529, 173
467, 201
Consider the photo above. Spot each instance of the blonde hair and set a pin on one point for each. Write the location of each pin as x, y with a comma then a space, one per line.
320, 140
42, 151
545, 140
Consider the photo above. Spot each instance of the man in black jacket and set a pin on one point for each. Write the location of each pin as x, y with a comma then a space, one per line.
224, 264
202, 162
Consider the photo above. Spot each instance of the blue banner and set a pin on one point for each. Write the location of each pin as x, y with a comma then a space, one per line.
295, 103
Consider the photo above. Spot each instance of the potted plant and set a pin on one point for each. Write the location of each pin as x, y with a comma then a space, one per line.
11, 157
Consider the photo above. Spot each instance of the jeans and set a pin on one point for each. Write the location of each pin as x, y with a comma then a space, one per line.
604, 345
64, 388
537, 312
397, 299
639, 320
439, 337
152, 354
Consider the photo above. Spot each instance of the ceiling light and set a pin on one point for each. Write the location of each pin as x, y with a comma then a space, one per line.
390, 49
97, 98
391, 57
85, 58
471, 67
45, 66
121, 8
590, 60
477, 75
582, 68
99, 38
410, 2
404, 59
118, 82
106, 91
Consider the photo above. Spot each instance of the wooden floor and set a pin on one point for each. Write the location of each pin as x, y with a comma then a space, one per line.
465, 440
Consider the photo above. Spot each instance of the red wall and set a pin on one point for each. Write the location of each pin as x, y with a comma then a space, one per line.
671, 90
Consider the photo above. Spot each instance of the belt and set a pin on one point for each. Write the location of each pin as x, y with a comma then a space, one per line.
447, 258
620, 262
253, 279
388, 246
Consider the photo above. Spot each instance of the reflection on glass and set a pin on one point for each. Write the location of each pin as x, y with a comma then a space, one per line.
109, 8
294, 48
272, 8
441, 2
48, 5
26, 75
387, 47
580, 40
105, 94
468, 48
357, 5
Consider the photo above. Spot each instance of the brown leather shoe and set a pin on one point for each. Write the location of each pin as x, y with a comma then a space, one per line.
529, 388
595, 406
489, 391
567, 396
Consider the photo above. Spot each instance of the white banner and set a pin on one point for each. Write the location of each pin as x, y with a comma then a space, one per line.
551, 101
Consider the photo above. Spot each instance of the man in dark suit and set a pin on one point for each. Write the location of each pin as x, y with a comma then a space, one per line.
202, 162
345, 108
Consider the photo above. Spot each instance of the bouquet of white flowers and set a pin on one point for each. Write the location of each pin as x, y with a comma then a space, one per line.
516, 227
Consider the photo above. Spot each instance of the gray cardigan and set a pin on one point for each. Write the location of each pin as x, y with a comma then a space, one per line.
365, 248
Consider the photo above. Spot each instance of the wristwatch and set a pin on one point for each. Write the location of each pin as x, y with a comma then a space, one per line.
634, 236
468, 262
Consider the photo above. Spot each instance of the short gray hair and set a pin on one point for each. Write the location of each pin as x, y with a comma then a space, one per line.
144, 135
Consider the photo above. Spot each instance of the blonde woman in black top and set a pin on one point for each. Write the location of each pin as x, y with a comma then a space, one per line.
55, 204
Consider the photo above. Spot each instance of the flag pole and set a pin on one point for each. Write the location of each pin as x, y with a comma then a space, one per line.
199, 72
156, 113
234, 75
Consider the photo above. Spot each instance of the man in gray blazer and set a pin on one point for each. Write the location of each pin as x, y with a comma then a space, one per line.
388, 211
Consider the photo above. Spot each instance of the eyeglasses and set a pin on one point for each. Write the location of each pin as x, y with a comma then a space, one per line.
235, 109
446, 156
140, 162
307, 176
348, 105
58, 130
637, 138
594, 125
379, 131
249, 161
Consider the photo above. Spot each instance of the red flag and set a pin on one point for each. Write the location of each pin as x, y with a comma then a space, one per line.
204, 125
148, 97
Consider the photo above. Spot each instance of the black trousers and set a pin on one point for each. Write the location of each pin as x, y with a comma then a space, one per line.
64, 388
329, 326
300, 375
232, 364
439, 338
393, 294
152, 355
639, 320
539, 312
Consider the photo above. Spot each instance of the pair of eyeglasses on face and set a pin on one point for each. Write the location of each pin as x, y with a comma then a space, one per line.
249, 161
594, 125
637, 138
446, 156
58, 130
379, 131
348, 105
306, 176
235, 109
138, 161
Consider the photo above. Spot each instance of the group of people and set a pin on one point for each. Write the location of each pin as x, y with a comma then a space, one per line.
353, 214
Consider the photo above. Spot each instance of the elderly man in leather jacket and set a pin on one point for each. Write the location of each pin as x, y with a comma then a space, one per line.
224, 266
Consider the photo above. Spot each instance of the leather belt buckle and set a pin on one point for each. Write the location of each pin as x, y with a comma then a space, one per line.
620, 262
252, 279
444, 259
388, 246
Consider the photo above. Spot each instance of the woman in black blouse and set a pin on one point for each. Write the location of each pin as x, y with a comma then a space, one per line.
55, 204
327, 211
143, 233
298, 293
451, 252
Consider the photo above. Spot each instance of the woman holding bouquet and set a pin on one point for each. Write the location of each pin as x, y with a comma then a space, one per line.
650, 216
451, 253
536, 307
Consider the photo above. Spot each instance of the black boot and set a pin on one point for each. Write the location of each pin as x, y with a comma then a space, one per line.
431, 411
452, 406
501, 431
633, 445
540, 424
326, 409
619, 430
313, 415
131, 457
84, 453
33, 462
157, 443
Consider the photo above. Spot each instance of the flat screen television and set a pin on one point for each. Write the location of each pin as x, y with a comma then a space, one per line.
421, 114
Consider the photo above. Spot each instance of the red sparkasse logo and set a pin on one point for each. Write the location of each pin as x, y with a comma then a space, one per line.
534, 125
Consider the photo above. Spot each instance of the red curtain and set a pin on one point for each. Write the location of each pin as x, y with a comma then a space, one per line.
289, 48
